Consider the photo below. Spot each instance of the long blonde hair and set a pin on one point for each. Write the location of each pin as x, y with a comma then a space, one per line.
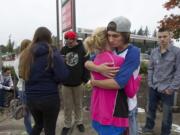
97, 41
24, 44
42, 34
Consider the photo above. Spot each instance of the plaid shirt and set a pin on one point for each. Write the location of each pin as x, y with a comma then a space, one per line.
164, 69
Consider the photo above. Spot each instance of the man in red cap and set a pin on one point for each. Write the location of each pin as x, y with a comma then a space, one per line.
72, 89
70, 35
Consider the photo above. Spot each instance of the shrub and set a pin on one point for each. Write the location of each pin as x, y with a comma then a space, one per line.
144, 67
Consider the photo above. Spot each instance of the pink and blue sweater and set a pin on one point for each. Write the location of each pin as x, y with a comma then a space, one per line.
109, 107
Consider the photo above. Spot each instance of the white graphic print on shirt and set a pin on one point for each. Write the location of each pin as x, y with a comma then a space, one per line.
71, 59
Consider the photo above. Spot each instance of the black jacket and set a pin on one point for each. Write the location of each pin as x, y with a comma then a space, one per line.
75, 58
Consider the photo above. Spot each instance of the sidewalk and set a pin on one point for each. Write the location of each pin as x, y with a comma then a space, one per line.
14, 127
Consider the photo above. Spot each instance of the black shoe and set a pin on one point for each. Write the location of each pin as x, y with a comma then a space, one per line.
81, 127
65, 131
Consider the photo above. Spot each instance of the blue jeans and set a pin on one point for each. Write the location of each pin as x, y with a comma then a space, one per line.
167, 101
133, 126
27, 116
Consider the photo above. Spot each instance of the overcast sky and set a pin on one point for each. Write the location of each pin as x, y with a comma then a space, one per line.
20, 18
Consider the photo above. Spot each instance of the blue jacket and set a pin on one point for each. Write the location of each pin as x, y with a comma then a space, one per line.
42, 81
131, 63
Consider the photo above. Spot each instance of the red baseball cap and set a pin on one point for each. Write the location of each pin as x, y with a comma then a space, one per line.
70, 35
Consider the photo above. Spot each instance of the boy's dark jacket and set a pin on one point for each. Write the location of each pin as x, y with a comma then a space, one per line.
75, 58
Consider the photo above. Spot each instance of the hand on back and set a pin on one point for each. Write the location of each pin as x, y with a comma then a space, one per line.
108, 70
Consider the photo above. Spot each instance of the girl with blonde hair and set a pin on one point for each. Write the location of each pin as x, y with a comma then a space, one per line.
97, 42
107, 119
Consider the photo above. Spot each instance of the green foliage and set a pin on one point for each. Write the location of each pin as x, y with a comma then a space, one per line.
88, 86
154, 33
10, 46
146, 31
140, 31
144, 67
3, 49
54, 42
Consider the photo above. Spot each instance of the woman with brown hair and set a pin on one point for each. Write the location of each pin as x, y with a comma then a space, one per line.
42, 68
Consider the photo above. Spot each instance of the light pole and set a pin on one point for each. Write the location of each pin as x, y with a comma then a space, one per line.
74, 14
57, 21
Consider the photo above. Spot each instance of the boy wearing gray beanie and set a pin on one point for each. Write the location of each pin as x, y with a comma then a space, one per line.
118, 34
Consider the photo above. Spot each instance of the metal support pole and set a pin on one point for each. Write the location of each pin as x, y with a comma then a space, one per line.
57, 17
74, 14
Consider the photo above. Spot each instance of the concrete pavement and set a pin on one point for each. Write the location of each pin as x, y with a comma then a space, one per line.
14, 127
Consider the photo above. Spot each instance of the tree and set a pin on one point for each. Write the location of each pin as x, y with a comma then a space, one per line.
16, 50
154, 33
146, 31
3, 49
54, 41
140, 31
172, 22
10, 45
134, 32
